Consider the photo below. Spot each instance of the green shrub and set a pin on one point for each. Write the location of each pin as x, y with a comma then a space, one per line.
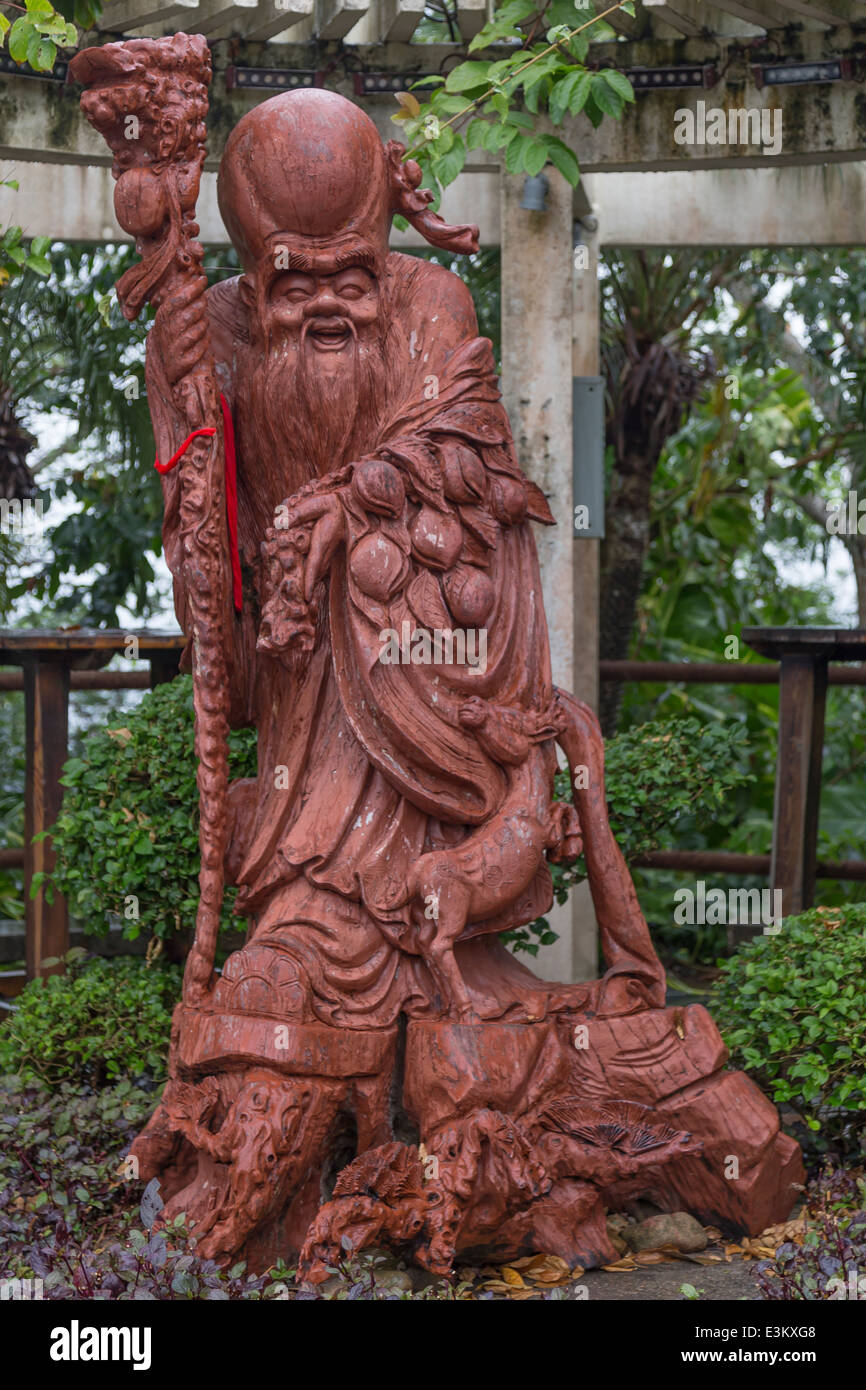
126, 839
659, 777
102, 1020
790, 1008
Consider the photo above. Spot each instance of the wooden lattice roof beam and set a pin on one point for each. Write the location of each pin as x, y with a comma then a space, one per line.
752, 14
807, 9
124, 16
672, 15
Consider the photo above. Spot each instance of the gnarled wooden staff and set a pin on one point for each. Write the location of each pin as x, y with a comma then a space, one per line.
148, 99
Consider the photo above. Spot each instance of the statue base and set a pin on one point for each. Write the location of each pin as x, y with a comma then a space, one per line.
488, 1140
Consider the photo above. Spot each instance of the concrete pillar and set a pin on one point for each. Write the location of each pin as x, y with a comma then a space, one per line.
537, 368
586, 361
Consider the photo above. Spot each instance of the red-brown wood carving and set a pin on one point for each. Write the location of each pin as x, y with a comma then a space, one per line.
402, 816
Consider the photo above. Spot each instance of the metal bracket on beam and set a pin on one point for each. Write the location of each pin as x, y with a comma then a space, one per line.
588, 458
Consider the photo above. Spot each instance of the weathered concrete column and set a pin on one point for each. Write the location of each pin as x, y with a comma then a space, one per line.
537, 368
586, 362
536, 384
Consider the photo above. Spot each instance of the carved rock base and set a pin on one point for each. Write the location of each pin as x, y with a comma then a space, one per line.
514, 1138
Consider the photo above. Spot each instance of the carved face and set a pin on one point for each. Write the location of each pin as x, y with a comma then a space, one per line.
315, 376
324, 302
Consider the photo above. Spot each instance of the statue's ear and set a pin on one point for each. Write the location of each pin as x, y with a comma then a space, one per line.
412, 202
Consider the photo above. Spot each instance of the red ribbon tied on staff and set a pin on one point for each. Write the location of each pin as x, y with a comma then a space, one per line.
231, 490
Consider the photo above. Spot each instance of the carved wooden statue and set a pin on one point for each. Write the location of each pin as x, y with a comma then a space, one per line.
350, 512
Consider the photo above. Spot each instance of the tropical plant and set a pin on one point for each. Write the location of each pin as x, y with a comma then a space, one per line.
66, 352
126, 840
662, 780
789, 1006
101, 1020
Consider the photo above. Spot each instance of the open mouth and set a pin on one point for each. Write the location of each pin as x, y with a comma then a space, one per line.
330, 336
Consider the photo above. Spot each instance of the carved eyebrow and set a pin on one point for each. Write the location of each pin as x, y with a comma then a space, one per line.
298, 260
349, 259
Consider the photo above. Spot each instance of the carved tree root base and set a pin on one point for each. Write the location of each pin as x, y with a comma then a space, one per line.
526, 1139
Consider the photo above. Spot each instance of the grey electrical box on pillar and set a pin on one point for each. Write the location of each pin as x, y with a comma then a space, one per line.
588, 458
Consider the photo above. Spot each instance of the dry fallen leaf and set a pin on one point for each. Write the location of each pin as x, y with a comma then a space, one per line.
511, 1276
622, 1266
548, 1269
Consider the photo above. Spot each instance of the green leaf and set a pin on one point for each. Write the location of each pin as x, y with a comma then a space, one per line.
563, 159
606, 99
514, 153
534, 156
476, 134
569, 94
466, 77
450, 165
20, 35
619, 82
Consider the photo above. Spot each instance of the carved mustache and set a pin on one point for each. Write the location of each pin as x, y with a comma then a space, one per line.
335, 325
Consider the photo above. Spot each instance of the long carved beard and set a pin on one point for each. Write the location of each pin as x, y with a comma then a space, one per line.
306, 421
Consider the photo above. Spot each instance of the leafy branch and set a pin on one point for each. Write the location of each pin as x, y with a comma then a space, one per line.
498, 104
35, 36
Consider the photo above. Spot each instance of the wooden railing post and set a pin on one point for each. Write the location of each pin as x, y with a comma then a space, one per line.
163, 668
46, 701
804, 654
802, 702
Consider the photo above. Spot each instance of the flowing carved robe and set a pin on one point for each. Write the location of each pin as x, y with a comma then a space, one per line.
364, 766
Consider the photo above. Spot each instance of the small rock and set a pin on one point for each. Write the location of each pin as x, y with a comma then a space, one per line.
617, 1222
675, 1228
616, 1226
397, 1280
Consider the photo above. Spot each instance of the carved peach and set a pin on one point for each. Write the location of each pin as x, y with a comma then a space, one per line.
139, 201
470, 595
463, 474
437, 538
379, 487
377, 567
509, 500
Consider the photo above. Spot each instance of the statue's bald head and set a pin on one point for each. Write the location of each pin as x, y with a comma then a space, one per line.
305, 172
